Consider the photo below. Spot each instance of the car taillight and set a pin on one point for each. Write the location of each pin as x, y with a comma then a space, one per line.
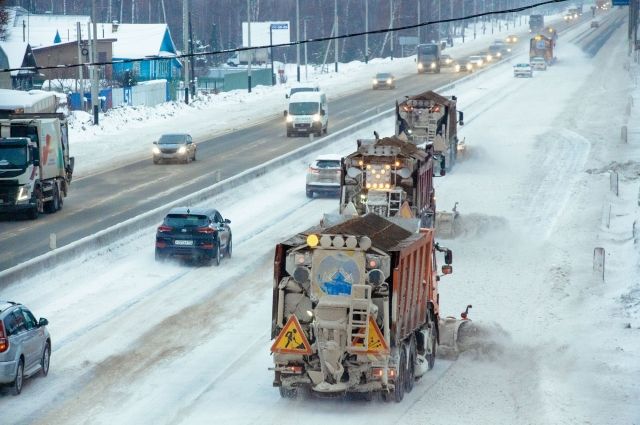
4, 342
165, 229
313, 170
206, 230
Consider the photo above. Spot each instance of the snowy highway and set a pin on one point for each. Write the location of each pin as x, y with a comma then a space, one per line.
137, 342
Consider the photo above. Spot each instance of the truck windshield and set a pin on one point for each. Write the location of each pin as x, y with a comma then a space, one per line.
13, 156
303, 108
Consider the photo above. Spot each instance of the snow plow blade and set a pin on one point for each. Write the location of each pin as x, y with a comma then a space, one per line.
454, 333
445, 224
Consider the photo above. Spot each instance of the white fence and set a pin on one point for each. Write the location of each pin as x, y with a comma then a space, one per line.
148, 93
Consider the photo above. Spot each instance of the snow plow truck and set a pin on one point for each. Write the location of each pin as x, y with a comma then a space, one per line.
432, 119
542, 46
389, 177
356, 308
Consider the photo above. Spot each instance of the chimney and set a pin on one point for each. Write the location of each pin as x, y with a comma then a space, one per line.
114, 26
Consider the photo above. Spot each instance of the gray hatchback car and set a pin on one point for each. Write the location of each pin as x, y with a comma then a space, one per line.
174, 147
25, 345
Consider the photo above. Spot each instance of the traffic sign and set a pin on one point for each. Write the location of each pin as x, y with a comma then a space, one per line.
292, 339
376, 343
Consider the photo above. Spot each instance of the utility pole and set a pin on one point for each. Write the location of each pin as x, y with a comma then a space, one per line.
80, 68
391, 26
419, 21
366, 30
306, 75
192, 65
249, 45
94, 71
335, 25
298, 39
185, 48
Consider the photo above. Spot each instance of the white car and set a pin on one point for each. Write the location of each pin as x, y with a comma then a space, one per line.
522, 70
323, 176
476, 61
538, 63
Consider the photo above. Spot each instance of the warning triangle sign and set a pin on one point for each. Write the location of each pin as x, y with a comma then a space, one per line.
376, 342
292, 339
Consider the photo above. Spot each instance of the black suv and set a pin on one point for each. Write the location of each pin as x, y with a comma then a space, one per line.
194, 233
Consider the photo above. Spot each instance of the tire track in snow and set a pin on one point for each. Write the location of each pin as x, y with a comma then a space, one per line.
563, 156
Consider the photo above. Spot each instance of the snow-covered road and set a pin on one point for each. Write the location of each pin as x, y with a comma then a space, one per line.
137, 342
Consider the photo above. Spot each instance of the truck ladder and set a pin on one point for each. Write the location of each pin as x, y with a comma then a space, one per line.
358, 329
395, 202
431, 129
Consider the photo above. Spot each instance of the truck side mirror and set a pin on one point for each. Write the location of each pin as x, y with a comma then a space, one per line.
443, 166
460, 117
448, 257
286, 113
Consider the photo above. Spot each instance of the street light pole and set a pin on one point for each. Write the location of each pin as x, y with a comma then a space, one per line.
298, 38
249, 45
366, 30
335, 25
391, 26
419, 21
306, 75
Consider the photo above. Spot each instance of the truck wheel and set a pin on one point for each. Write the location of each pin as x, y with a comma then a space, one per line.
411, 367
398, 392
288, 392
16, 386
54, 204
35, 212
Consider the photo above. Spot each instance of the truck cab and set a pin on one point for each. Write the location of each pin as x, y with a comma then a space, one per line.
428, 57
35, 165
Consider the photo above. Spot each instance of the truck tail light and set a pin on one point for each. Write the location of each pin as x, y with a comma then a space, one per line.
4, 341
378, 372
206, 230
292, 369
165, 229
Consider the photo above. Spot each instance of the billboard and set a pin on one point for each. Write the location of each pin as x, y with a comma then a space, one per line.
260, 33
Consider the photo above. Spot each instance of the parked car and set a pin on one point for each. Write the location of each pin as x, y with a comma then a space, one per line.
25, 345
511, 39
477, 61
199, 234
595, 24
179, 147
463, 65
446, 60
323, 176
384, 80
538, 63
522, 70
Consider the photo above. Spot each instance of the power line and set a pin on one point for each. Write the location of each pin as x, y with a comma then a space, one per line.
295, 43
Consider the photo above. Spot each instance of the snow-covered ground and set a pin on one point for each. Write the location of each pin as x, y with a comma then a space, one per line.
125, 134
140, 342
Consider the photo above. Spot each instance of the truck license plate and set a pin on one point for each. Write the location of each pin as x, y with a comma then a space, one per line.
183, 242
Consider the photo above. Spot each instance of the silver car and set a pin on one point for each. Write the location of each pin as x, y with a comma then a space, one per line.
25, 345
323, 176
178, 147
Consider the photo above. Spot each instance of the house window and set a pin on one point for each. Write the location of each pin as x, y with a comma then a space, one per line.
163, 69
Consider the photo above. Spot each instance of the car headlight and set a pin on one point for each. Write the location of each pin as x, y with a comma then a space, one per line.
420, 66
375, 82
23, 193
289, 118
316, 117
498, 54
457, 68
433, 65
469, 66
448, 61
156, 150
389, 81
182, 149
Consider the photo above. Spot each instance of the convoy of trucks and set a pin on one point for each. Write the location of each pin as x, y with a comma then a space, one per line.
35, 166
432, 119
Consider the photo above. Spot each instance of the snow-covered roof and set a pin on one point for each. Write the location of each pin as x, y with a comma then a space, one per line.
133, 40
31, 101
15, 52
